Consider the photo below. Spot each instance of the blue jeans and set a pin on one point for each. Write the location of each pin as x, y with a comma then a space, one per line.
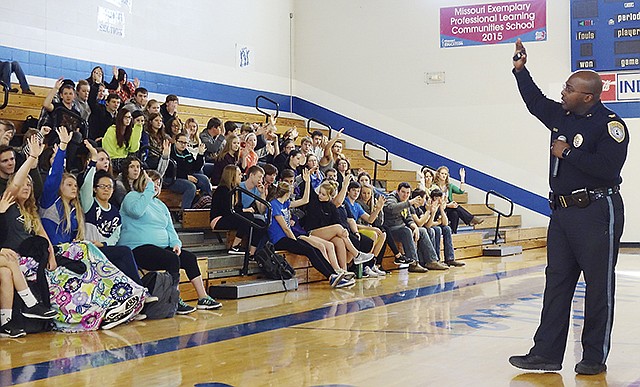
6, 68
426, 251
188, 189
423, 253
445, 233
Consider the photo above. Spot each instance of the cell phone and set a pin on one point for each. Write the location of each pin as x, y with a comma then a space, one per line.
518, 55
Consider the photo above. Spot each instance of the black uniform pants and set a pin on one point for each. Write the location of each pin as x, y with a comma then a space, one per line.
581, 240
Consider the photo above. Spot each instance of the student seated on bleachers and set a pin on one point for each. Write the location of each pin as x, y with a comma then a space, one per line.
255, 185
317, 177
270, 180
153, 106
9, 166
365, 179
102, 115
280, 161
122, 138
81, 102
295, 161
189, 177
154, 136
248, 155
367, 201
319, 141
363, 220
229, 155
213, 138
139, 100
122, 86
426, 182
321, 253
6, 68
425, 216
332, 151
174, 127
169, 109
64, 113
102, 220
322, 220
112, 296
344, 168
7, 131
454, 211
190, 128
147, 229
415, 240
13, 280
132, 178
436, 203
221, 216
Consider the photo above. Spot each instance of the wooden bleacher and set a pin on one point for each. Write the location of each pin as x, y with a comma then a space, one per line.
467, 244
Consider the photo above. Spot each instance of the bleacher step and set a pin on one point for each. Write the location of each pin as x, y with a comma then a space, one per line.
226, 260
225, 272
191, 238
252, 288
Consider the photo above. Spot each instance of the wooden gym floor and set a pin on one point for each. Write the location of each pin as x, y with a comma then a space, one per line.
454, 328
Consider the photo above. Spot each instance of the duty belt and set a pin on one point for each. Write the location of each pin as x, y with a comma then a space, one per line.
581, 198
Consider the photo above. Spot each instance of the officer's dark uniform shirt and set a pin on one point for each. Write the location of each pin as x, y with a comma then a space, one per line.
598, 140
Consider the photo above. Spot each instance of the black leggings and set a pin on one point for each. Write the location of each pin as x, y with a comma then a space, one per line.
390, 242
298, 246
455, 214
231, 222
151, 257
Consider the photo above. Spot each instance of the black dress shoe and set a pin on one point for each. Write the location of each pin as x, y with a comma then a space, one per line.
534, 363
586, 367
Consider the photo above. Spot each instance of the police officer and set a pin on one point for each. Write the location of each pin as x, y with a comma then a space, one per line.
589, 142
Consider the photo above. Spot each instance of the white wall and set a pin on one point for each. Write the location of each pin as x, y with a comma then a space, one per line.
195, 38
367, 59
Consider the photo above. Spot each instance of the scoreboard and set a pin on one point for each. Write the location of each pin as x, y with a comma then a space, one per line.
605, 35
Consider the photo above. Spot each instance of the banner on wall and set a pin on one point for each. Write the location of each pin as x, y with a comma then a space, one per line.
493, 23
111, 22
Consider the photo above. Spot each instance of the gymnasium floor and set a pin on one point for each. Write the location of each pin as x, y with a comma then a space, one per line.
438, 329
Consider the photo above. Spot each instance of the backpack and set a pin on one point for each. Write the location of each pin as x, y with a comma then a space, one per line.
272, 264
161, 285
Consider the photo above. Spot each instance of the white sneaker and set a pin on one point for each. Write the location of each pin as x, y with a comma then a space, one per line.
362, 258
369, 273
378, 271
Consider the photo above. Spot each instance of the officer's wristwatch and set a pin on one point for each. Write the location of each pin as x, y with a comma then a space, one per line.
566, 152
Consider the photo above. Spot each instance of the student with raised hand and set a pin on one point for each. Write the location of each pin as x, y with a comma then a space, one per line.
454, 211
321, 253
332, 150
102, 220
148, 230
114, 297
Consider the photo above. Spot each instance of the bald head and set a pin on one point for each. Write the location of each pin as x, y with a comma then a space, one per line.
588, 81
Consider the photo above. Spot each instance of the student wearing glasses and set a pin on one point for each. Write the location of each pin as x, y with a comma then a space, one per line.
102, 220
189, 176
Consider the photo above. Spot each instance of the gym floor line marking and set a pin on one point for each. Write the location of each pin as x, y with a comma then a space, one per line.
78, 363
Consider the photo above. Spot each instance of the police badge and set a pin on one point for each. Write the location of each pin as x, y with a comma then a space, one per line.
616, 131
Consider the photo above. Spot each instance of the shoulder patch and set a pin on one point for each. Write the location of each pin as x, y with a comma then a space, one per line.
616, 131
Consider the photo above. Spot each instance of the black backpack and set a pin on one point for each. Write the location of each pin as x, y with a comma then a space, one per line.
272, 264
163, 286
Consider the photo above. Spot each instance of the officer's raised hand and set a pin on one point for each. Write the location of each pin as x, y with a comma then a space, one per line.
520, 56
